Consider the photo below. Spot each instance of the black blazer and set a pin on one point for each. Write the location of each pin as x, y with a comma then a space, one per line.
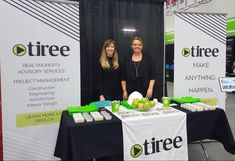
146, 73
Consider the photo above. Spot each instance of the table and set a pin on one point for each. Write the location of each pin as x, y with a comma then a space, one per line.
104, 138
210, 125
88, 140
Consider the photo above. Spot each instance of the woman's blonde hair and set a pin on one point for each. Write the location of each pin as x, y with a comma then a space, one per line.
103, 58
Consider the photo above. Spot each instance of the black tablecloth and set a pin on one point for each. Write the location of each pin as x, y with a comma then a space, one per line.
210, 125
99, 139
88, 140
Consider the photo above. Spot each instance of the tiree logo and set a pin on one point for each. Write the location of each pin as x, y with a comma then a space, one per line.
39, 49
136, 150
200, 52
19, 50
186, 52
156, 146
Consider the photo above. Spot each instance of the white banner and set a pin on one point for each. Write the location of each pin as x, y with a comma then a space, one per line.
190, 3
173, 5
158, 134
168, 7
200, 50
181, 5
40, 74
199, 2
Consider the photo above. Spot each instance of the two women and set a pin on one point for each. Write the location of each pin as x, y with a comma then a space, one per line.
137, 72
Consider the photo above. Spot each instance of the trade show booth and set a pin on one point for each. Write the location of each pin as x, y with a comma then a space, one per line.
50, 106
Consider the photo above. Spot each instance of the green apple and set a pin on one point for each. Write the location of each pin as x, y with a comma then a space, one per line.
147, 105
140, 106
144, 99
135, 103
152, 103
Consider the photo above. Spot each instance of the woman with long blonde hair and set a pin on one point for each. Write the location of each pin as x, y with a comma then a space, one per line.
109, 72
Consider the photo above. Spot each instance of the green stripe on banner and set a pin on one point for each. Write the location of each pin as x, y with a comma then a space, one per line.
170, 36
230, 18
38, 118
231, 26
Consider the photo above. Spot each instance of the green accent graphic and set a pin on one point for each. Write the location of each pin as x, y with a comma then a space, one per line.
186, 52
169, 37
210, 101
136, 150
19, 50
38, 118
231, 26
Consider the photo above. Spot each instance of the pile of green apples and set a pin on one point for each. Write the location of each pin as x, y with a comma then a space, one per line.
143, 104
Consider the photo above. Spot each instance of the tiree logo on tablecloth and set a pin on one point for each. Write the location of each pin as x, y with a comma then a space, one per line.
155, 146
136, 150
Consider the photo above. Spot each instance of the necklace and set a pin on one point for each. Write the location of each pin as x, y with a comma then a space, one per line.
137, 64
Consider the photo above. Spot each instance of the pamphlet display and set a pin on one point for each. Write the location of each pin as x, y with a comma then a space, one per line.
197, 107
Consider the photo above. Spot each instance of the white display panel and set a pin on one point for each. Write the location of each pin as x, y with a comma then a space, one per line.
40, 74
200, 53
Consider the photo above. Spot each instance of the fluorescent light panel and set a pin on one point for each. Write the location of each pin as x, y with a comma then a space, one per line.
129, 29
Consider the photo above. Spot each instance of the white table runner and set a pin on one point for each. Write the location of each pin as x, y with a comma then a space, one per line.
158, 134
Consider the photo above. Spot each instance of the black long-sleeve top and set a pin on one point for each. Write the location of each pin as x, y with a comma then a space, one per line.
109, 80
138, 74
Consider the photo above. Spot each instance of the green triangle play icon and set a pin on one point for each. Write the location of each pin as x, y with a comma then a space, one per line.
136, 150
19, 50
186, 52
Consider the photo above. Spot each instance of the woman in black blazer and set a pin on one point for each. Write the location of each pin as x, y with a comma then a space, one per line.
138, 72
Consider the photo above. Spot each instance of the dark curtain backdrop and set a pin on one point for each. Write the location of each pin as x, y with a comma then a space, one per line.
103, 19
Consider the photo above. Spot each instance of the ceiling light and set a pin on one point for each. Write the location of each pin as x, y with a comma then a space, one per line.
129, 29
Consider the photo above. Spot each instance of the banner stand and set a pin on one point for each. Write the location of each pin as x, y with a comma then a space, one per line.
40, 74
200, 54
